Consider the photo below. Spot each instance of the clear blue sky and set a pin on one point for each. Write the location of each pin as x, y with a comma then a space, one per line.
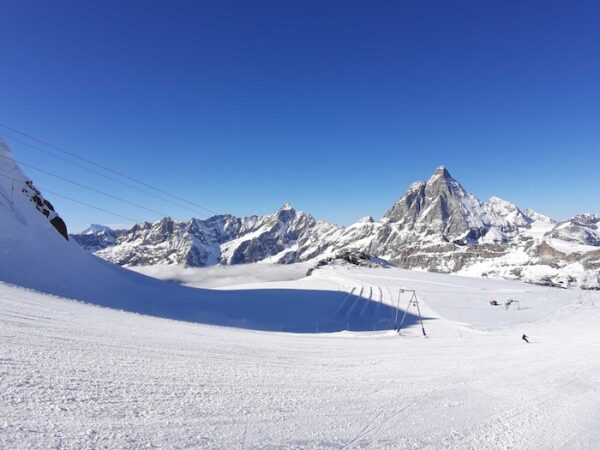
335, 106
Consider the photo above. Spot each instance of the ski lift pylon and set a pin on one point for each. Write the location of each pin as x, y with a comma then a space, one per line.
413, 301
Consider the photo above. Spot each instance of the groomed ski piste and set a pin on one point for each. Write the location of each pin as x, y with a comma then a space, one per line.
74, 375
96, 356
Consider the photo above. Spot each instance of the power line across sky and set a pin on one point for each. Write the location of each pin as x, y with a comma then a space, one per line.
90, 188
66, 197
102, 174
83, 166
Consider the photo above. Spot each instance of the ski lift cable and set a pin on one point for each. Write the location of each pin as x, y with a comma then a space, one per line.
76, 183
74, 200
103, 167
108, 177
92, 206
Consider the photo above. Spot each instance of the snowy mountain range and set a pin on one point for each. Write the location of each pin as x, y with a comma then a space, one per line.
436, 225
35, 254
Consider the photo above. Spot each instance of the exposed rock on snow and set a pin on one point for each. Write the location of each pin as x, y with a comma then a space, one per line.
583, 229
351, 258
18, 182
285, 236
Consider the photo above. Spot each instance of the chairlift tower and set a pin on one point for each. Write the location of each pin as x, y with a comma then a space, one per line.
413, 301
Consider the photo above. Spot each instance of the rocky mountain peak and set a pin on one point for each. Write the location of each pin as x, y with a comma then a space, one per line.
96, 228
440, 207
499, 201
96, 237
583, 229
442, 180
366, 219
441, 172
286, 213
587, 218
505, 215
499, 206
536, 216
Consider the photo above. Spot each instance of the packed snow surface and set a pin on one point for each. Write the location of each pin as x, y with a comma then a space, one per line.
74, 375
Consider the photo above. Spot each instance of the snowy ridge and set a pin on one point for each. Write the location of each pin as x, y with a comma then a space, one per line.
436, 225
15, 187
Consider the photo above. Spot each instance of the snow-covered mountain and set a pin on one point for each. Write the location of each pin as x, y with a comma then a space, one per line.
284, 236
96, 237
583, 229
436, 225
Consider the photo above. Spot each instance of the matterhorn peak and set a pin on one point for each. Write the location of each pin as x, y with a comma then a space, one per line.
441, 173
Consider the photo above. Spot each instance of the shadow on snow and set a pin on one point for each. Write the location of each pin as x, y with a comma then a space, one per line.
305, 311
290, 310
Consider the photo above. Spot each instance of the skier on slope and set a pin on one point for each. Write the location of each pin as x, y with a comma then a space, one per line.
525, 338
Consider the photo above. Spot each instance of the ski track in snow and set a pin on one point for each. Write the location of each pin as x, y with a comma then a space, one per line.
78, 376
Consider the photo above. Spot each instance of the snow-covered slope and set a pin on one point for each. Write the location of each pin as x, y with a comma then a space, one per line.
17, 189
78, 376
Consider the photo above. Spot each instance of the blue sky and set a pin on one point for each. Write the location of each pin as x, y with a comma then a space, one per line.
334, 106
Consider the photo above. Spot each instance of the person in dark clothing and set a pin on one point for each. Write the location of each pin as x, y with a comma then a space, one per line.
525, 338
